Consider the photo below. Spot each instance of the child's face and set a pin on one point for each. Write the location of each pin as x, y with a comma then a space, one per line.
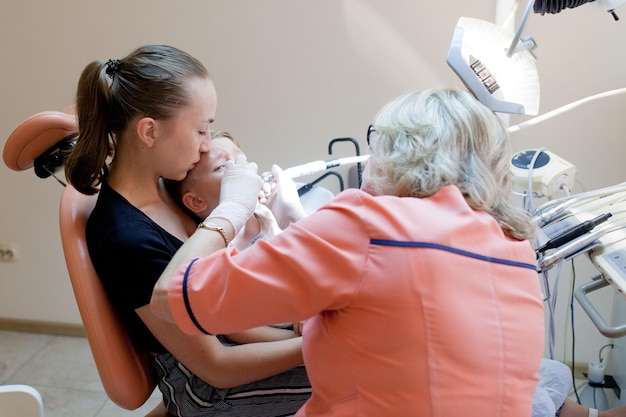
206, 177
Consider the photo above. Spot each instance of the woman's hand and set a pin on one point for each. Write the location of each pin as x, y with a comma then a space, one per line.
283, 199
239, 193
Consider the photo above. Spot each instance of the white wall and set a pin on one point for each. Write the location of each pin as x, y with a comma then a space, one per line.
290, 75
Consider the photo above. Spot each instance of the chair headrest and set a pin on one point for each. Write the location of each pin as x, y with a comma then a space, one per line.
41, 133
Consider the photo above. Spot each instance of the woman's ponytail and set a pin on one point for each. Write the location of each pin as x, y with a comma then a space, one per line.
86, 164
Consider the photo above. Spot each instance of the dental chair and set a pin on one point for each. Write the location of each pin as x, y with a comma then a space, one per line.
124, 369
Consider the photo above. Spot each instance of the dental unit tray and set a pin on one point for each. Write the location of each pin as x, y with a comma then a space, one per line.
606, 247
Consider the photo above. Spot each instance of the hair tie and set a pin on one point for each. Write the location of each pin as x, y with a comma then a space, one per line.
113, 66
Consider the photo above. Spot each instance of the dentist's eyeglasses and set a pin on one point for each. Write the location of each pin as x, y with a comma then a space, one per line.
371, 134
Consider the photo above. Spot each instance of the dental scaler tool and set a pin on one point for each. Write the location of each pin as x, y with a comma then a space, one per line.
317, 166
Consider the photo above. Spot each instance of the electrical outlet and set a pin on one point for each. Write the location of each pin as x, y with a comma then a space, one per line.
8, 253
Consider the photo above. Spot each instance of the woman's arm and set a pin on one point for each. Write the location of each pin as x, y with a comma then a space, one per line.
238, 197
201, 243
222, 366
314, 265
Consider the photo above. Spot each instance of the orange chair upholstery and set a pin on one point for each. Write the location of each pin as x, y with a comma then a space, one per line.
35, 136
124, 369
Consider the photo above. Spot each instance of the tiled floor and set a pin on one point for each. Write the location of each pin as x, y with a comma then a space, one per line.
62, 369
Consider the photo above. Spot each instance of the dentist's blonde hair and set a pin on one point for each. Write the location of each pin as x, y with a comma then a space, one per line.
429, 139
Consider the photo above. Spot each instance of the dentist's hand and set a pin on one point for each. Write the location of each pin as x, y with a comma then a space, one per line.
284, 201
239, 193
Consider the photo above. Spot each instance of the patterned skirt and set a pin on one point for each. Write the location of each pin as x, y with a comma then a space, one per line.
186, 395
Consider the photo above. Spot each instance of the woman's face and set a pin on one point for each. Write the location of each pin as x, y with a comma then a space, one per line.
183, 139
206, 178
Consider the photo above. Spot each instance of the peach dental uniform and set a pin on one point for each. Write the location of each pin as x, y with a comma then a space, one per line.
417, 306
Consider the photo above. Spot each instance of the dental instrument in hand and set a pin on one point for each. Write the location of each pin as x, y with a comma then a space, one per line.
317, 166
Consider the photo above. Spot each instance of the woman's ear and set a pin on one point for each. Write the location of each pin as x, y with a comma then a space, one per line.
147, 131
194, 202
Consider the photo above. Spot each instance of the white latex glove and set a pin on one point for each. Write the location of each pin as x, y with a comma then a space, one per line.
239, 193
284, 201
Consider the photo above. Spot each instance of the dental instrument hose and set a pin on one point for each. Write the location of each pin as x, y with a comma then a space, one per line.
317, 166
573, 232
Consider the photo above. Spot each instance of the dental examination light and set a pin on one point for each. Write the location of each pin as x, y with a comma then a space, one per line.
498, 65
501, 75
503, 84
